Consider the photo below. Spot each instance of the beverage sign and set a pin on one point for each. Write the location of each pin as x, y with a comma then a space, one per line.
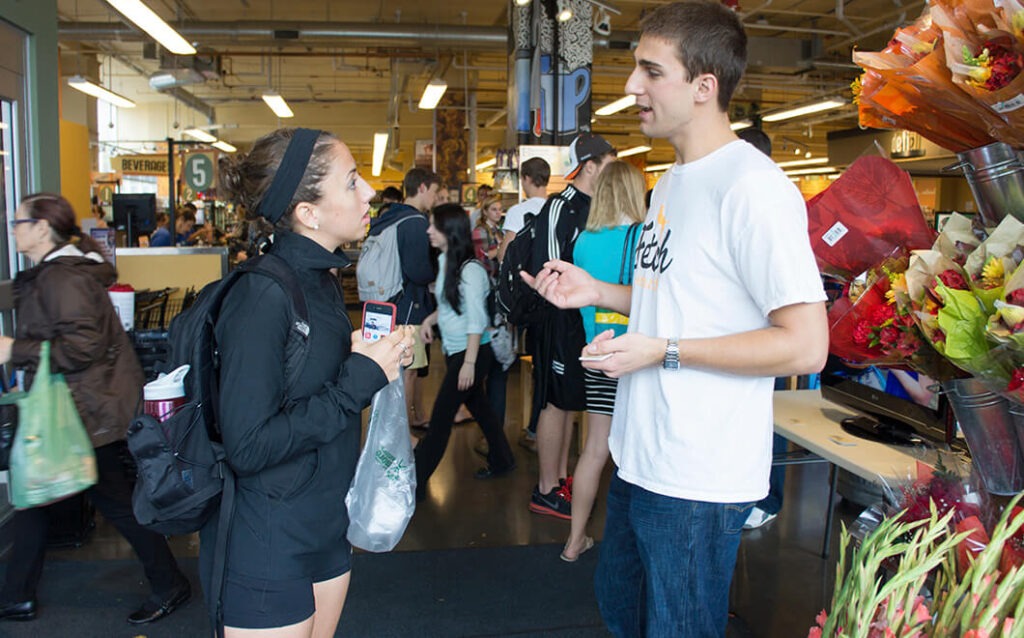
139, 164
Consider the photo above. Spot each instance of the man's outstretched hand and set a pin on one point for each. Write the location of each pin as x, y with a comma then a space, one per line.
564, 285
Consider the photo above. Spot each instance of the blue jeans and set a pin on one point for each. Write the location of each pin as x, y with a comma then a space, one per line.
666, 563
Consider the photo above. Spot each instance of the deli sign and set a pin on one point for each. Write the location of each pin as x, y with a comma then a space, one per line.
906, 144
139, 164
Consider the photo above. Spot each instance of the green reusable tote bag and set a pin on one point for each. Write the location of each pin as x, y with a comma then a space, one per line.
52, 456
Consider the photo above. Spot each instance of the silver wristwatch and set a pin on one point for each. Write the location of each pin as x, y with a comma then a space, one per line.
671, 360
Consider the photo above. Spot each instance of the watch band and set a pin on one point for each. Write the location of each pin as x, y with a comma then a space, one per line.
671, 360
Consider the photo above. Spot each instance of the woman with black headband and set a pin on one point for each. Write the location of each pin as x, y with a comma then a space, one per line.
294, 446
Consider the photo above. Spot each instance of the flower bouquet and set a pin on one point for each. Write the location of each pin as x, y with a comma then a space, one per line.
954, 76
942, 586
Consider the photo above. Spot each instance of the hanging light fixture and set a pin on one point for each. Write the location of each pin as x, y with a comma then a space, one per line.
806, 109
432, 94
617, 105
91, 88
636, 150
143, 17
277, 104
199, 134
380, 146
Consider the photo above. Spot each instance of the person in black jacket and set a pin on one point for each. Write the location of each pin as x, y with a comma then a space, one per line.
419, 268
294, 449
63, 300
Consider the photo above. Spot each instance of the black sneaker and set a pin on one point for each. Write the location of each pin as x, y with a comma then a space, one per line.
553, 503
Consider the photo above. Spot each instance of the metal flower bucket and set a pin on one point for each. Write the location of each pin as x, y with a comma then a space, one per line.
990, 427
995, 173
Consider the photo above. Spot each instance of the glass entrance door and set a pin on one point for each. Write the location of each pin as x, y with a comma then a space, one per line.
13, 156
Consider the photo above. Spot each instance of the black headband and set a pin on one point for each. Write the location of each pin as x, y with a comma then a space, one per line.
277, 198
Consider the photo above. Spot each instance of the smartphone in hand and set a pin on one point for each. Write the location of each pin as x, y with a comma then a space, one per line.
378, 320
596, 357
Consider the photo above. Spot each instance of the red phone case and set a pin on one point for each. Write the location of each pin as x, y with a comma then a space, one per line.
377, 308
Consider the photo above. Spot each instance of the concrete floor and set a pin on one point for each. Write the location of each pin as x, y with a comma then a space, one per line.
780, 582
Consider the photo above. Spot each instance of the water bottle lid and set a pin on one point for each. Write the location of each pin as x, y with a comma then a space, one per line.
166, 386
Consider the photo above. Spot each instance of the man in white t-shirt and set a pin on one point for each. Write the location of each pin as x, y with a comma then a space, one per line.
725, 296
534, 175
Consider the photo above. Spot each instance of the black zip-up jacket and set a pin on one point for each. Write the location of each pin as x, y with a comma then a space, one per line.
418, 269
294, 455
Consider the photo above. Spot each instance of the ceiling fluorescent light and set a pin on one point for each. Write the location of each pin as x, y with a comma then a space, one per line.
617, 105
522, 3
277, 104
97, 91
812, 171
636, 150
807, 109
432, 94
380, 145
224, 146
199, 134
740, 125
144, 18
653, 168
804, 162
487, 164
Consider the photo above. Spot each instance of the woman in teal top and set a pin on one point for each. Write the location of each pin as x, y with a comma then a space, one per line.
606, 251
462, 287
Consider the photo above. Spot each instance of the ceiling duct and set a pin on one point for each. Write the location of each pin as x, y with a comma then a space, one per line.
176, 71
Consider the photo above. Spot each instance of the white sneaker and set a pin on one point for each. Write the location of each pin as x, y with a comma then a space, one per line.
757, 518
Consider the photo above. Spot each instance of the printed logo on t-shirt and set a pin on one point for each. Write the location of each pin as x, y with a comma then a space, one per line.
652, 257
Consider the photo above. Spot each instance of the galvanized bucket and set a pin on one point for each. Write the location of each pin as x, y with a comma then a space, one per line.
987, 423
995, 173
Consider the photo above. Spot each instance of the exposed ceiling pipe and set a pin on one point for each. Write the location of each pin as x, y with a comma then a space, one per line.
841, 16
179, 94
300, 32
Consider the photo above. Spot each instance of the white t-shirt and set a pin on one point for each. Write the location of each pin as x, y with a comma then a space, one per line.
515, 217
724, 244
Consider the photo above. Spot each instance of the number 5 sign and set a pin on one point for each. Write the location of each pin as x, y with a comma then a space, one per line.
198, 171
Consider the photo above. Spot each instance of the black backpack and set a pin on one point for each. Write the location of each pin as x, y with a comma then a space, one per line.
181, 464
513, 297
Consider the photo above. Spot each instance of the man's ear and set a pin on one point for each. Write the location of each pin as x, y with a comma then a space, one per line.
707, 88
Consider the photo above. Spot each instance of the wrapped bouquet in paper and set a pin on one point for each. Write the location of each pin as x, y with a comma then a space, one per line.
1006, 324
992, 262
957, 239
867, 215
953, 77
862, 328
946, 309
985, 62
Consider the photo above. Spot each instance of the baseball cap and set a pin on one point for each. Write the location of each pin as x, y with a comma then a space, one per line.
586, 146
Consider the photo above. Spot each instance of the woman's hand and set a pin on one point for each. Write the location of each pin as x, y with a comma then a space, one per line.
467, 374
427, 328
387, 352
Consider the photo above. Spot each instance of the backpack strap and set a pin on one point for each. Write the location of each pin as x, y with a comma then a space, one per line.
220, 552
628, 251
280, 271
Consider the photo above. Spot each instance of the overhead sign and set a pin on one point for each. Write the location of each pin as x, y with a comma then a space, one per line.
139, 164
198, 171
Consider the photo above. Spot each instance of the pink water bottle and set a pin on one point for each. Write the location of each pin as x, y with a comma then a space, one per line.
165, 394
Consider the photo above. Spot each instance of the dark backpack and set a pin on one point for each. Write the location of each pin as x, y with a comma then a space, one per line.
181, 464
513, 297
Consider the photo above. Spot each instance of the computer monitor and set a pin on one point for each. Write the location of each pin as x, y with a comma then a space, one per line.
134, 214
876, 392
